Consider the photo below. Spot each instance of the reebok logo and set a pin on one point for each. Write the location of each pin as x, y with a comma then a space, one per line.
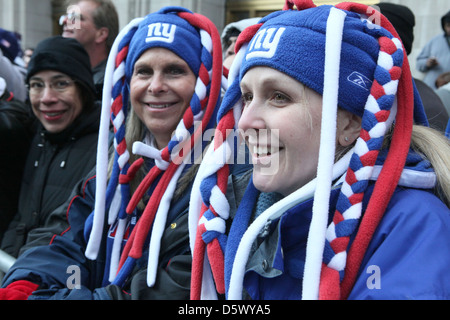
265, 43
161, 32
360, 80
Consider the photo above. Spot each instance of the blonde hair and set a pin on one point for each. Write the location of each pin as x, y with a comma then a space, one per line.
435, 147
136, 131
432, 145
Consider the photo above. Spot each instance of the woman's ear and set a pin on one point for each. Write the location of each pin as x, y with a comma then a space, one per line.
348, 127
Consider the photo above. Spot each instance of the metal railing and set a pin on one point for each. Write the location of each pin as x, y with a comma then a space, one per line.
6, 261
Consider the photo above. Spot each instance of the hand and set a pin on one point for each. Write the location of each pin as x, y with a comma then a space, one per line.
19, 290
432, 62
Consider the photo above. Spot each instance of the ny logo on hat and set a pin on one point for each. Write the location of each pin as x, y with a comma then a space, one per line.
265, 43
161, 32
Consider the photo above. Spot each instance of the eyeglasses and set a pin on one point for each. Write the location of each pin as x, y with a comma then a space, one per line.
36, 87
72, 18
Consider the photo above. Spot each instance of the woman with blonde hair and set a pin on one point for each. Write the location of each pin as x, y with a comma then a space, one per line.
356, 206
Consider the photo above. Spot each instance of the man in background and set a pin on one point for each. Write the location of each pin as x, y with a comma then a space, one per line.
95, 24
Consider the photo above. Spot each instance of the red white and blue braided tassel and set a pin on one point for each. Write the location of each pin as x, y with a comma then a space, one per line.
376, 121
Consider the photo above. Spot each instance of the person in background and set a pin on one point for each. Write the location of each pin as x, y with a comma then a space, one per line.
229, 36
128, 219
348, 198
444, 94
403, 20
10, 71
434, 59
95, 24
63, 147
27, 53
15, 123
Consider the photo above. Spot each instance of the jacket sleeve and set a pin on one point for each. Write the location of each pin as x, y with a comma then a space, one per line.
51, 266
14, 77
408, 255
56, 224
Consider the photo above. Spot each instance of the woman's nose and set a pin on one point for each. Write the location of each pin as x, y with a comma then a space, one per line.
252, 119
48, 95
157, 84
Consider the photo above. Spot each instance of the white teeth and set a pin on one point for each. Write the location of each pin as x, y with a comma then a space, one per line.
159, 106
261, 150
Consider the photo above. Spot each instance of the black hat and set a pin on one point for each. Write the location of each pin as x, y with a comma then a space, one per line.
65, 55
445, 18
403, 20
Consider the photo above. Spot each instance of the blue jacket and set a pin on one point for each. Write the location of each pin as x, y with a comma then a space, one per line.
407, 258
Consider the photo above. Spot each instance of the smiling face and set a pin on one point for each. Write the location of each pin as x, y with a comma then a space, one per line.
161, 89
283, 119
56, 110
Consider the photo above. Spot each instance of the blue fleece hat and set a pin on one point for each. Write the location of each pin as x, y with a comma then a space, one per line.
294, 44
167, 30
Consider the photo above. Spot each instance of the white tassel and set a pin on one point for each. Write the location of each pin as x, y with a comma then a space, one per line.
317, 232
271, 213
159, 226
95, 238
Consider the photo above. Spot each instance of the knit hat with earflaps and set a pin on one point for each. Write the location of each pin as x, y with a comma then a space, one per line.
196, 40
338, 52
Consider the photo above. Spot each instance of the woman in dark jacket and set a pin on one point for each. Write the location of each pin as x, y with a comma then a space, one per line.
63, 149
15, 120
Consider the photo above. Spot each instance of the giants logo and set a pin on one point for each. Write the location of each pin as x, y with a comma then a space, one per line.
265, 43
161, 32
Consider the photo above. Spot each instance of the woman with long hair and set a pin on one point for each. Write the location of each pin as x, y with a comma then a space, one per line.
348, 199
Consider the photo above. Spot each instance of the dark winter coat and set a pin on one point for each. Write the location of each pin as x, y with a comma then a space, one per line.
174, 264
55, 163
15, 133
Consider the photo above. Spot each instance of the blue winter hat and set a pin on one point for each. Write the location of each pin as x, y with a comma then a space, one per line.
9, 44
294, 44
166, 29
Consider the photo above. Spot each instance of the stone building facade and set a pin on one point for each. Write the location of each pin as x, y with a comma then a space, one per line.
38, 19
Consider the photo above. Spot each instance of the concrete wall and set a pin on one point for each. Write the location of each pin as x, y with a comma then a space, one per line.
130, 9
428, 14
31, 18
